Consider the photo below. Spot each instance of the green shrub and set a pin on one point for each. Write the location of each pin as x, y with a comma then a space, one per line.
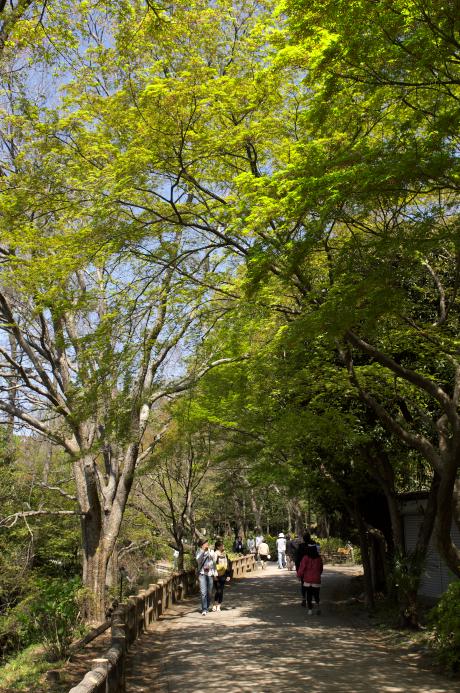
406, 571
333, 544
444, 620
48, 614
23, 671
228, 545
271, 541
14, 630
56, 614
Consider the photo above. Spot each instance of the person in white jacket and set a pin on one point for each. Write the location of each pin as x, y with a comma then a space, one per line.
281, 548
263, 552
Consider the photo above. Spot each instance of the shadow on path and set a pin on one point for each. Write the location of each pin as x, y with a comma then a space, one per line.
264, 641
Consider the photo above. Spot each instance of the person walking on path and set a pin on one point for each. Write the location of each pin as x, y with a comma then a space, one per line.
251, 544
290, 553
238, 545
281, 548
309, 573
302, 549
206, 572
259, 539
263, 552
221, 561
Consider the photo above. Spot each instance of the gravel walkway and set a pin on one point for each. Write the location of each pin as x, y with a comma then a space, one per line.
264, 641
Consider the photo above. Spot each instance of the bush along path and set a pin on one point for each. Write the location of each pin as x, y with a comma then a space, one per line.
263, 640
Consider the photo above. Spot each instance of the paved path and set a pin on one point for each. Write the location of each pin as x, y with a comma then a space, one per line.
265, 642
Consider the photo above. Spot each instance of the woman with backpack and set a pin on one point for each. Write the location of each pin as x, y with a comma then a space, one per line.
222, 566
309, 573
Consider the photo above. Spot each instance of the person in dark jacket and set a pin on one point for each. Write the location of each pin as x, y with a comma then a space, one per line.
309, 573
290, 552
238, 546
222, 569
301, 550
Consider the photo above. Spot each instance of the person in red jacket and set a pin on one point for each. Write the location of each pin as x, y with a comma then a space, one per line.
309, 573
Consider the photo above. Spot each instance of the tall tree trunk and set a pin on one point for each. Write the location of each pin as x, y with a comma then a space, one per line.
324, 526
298, 517
100, 526
12, 397
365, 553
289, 514
448, 501
180, 558
256, 510
94, 568
112, 570
238, 518
92, 521
382, 471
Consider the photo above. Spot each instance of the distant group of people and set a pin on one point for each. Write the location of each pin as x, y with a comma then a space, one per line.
257, 546
301, 553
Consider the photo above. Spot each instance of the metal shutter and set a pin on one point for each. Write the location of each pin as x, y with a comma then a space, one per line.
436, 575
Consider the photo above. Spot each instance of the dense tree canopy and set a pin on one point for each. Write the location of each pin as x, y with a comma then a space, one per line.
255, 205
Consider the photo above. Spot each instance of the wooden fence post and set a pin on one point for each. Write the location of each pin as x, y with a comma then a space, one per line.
150, 606
102, 663
160, 597
119, 631
142, 610
129, 620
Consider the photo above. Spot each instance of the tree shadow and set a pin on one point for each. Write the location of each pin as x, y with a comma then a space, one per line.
265, 641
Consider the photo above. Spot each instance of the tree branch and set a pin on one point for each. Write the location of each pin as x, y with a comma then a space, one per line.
186, 384
415, 441
433, 389
11, 520
59, 490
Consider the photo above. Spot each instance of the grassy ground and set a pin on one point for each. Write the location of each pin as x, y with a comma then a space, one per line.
26, 671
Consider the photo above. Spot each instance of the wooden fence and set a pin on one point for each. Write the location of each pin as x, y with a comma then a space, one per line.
242, 565
131, 619
344, 555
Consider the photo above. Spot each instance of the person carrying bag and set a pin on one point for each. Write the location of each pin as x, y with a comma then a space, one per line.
222, 570
206, 572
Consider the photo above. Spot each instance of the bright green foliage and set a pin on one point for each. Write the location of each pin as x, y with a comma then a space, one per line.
48, 614
23, 671
54, 613
333, 544
445, 624
260, 186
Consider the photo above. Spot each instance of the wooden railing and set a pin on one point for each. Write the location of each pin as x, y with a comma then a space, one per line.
107, 674
130, 620
342, 555
242, 565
